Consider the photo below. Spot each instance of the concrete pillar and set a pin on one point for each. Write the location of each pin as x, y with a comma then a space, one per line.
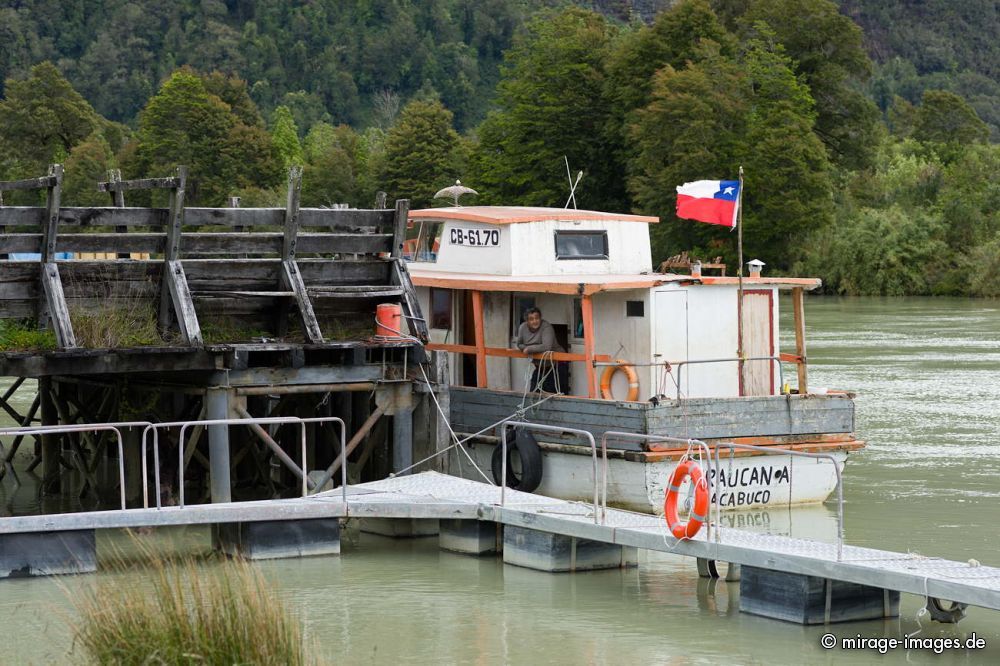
472, 537
47, 553
545, 551
810, 599
269, 540
51, 444
217, 407
402, 440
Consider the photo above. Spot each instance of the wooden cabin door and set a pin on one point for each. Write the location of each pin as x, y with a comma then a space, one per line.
670, 341
758, 341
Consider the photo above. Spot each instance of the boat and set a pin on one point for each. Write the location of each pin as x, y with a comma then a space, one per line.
658, 354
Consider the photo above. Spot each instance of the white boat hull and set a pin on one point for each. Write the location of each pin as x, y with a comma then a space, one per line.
746, 482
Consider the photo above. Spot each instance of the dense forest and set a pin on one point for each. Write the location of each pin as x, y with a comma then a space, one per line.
866, 128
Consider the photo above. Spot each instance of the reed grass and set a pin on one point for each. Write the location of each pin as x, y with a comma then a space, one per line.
25, 336
185, 612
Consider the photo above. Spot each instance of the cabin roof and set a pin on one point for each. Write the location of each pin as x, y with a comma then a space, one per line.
584, 284
518, 214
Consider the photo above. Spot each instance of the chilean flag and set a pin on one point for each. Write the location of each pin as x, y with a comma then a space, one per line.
712, 201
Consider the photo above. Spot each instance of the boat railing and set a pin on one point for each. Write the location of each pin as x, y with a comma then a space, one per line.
680, 365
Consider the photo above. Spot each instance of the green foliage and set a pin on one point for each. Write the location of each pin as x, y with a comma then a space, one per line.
826, 49
550, 105
419, 154
25, 336
285, 136
185, 124
944, 117
43, 118
87, 164
332, 156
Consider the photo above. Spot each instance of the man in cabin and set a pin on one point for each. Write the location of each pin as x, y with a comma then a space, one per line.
536, 336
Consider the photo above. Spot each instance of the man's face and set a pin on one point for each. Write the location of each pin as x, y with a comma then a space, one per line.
534, 321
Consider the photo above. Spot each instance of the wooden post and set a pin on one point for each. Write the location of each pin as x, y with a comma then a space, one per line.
798, 306
477, 321
172, 251
51, 453
399, 227
118, 201
587, 310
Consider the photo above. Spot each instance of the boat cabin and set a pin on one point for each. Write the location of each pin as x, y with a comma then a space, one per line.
477, 270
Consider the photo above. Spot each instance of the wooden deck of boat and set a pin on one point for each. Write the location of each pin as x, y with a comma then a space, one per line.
431, 495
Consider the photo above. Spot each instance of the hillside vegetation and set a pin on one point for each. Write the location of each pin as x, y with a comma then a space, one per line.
864, 128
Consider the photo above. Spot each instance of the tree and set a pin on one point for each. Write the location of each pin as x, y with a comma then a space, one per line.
285, 135
788, 191
944, 117
185, 124
331, 162
550, 105
43, 117
86, 165
419, 153
826, 49
693, 128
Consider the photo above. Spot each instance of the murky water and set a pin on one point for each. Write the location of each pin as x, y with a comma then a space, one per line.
927, 374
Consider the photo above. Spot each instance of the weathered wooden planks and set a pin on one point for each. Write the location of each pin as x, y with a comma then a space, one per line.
703, 418
338, 220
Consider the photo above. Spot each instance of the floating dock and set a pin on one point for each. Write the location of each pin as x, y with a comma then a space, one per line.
782, 577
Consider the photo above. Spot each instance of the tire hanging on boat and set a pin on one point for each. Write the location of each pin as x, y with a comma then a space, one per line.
699, 512
524, 445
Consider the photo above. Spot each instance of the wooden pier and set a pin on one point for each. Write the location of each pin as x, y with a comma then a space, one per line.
841, 582
208, 313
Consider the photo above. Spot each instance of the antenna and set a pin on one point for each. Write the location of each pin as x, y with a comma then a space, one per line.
572, 184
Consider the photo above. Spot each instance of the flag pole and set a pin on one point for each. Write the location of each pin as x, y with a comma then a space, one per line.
739, 275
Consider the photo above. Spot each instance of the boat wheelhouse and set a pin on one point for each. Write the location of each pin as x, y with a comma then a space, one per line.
700, 355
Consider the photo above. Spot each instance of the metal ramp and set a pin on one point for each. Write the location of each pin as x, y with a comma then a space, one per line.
431, 495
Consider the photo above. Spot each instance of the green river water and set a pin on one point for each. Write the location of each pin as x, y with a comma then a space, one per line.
927, 375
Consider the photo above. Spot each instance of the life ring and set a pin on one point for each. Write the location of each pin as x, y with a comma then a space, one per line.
630, 373
525, 446
699, 513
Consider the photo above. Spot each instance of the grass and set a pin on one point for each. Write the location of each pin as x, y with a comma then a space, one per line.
116, 323
25, 336
186, 612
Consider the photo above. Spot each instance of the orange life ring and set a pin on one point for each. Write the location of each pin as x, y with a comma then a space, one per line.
699, 513
633, 380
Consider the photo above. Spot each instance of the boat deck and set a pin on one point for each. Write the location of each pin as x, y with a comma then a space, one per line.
431, 495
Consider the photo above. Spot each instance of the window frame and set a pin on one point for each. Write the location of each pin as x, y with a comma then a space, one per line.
582, 232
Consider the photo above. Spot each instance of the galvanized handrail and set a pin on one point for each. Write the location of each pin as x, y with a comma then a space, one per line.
636, 437
267, 420
87, 427
544, 428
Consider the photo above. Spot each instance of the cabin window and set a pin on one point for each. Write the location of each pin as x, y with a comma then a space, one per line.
635, 309
578, 318
520, 304
581, 245
441, 308
423, 240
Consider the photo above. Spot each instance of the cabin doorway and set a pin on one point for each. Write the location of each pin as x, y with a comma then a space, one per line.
758, 341
467, 336
671, 342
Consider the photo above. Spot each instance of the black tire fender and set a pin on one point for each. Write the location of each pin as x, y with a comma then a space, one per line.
525, 446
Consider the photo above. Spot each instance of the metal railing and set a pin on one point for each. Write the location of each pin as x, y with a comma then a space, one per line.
154, 428
544, 428
680, 367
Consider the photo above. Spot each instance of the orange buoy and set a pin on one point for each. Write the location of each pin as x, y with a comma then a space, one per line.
630, 373
699, 513
389, 320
